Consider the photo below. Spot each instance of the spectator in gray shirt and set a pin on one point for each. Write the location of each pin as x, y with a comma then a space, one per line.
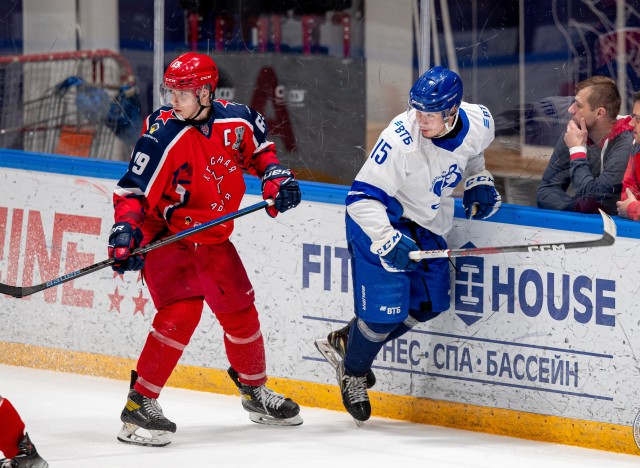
589, 160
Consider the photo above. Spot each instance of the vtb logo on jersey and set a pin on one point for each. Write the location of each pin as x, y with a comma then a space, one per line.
469, 287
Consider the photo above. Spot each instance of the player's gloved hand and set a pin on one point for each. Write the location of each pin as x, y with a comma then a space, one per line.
279, 183
394, 252
122, 240
481, 199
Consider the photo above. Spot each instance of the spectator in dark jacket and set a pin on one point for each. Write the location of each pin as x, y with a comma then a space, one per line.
589, 160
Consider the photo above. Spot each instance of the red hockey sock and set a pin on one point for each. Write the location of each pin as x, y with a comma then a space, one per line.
12, 429
244, 344
173, 326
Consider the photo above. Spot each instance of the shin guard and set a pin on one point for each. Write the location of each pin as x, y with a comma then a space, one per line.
173, 327
365, 341
244, 344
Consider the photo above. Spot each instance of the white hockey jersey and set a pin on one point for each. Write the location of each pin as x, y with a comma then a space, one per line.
410, 176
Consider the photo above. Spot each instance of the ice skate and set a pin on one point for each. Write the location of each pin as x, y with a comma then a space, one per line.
265, 406
143, 421
334, 348
27, 458
354, 395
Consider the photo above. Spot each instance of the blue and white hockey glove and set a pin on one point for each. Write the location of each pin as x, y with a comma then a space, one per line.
481, 199
394, 252
122, 240
279, 183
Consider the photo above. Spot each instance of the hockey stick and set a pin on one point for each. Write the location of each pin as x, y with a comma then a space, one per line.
608, 238
16, 291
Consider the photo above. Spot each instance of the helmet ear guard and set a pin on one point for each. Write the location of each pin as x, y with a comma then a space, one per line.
437, 90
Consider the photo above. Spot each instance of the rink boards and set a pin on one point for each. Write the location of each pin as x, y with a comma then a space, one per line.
538, 345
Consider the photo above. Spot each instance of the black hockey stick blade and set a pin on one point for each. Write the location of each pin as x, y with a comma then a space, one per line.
18, 292
608, 238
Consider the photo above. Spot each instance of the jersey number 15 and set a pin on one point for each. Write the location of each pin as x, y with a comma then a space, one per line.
381, 151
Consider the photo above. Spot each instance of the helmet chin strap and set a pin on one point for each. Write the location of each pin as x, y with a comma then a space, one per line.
195, 117
448, 128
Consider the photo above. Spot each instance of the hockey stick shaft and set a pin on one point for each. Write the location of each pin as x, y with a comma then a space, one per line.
608, 238
17, 291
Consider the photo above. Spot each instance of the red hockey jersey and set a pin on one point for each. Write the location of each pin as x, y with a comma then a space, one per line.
182, 174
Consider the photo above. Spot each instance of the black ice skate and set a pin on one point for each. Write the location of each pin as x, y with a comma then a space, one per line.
27, 458
265, 406
354, 395
144, 422
334, 348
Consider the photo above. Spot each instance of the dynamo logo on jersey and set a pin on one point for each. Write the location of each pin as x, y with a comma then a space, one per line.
449, 178
469, 287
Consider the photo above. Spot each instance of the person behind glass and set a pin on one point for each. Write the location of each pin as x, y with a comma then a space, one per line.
402, 201
629, 204
587, 164
187, 169
15, 443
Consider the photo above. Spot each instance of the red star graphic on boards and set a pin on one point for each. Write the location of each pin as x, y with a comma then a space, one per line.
116, 274
116, 299
140, 303
165, 115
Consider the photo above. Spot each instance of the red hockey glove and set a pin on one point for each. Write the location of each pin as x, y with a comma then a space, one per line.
122, 240
278, 183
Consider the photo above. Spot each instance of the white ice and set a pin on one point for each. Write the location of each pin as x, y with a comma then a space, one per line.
73, 419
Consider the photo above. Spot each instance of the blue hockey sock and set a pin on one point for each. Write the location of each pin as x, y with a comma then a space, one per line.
414, 316
362, 350
400, 330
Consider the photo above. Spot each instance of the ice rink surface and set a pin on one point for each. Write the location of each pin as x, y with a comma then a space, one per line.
73, 421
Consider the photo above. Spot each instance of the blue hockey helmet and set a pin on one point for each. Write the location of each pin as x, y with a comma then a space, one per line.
437, 90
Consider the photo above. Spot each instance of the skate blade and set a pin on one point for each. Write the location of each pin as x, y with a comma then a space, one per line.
358, 422
328, 352
260, 418
128, 434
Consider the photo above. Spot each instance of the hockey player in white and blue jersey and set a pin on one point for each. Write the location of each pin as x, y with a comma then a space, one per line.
401, 201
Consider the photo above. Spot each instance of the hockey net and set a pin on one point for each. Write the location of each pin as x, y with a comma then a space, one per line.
64, 103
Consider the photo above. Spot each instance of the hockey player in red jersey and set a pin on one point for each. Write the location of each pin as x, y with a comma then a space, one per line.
15, 444
187, 168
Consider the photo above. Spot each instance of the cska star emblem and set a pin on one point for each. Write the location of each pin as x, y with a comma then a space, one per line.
165, 116
204, 129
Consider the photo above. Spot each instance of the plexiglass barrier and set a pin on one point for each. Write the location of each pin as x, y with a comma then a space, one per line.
77, 77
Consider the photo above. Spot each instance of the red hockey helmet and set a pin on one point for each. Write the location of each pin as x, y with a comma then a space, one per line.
191, 71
